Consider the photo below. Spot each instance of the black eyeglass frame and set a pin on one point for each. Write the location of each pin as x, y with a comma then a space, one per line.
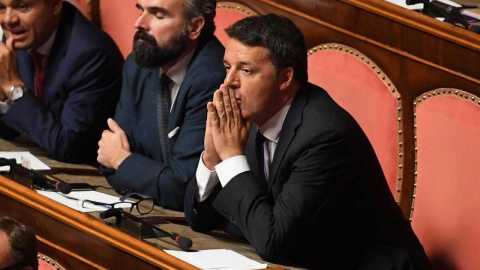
134, 195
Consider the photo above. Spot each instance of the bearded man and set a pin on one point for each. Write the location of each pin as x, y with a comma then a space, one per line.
154, 143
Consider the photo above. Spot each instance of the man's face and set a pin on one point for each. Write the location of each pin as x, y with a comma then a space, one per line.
29, 22
5, 251
161, 37
252, 75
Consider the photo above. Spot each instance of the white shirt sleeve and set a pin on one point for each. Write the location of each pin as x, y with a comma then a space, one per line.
224, 172
4, 106
230, 168
206, 181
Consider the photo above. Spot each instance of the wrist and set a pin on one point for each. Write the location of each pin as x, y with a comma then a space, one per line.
210, 161
120, 160
16, 92
230, 154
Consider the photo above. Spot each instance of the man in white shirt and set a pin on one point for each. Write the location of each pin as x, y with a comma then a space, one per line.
289, 169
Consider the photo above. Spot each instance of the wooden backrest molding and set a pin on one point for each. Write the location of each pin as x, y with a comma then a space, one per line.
235, 6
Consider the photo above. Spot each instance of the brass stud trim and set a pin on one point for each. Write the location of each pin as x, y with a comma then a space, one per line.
432, 94
389, 85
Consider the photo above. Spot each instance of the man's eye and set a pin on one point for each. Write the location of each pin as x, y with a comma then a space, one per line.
246, 71
23, 7
226, 67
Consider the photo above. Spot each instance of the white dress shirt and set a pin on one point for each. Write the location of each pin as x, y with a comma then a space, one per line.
229, 168
177, 73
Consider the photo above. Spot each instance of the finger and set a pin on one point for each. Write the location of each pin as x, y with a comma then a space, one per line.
209, 119
10, 43
237, 114
212, 115
228, 104
219, 104
113, 126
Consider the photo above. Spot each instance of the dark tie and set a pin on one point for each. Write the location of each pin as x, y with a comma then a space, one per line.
39, 74
163, 112
260, 149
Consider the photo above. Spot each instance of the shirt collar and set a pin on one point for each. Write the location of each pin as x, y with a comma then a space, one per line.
272, 128
47, 46
178, 71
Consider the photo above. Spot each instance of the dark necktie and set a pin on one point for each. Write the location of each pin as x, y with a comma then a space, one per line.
260, 149
39, 78
163, 112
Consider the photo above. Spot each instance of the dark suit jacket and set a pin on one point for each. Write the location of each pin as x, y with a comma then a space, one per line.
144, 170
327, 206
82, 87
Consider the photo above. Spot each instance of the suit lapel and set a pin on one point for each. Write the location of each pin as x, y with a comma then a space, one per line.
177, 113
251, 154
26, 68
292, 122
59, 47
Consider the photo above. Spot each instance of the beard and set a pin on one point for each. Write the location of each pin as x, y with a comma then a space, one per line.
148, 54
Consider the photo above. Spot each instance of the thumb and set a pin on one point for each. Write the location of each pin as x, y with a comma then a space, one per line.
248, 124
113, 126
11, 43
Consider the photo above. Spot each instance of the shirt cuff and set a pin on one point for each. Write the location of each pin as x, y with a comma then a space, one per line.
206, 181
229, 168
4, 106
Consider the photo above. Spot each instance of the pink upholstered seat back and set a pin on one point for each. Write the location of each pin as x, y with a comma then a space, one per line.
227, 14
117, 18
446, 207
358, 85
47, 263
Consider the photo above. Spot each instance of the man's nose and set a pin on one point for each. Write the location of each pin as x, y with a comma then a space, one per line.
10, 17
232, 81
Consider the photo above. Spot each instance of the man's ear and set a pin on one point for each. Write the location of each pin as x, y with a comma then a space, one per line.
57, 8
286, 78
196, 26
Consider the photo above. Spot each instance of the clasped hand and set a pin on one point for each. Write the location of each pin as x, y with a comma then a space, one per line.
226, 131
113, 147
8, 68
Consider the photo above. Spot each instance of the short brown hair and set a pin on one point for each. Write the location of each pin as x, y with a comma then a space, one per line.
23, 242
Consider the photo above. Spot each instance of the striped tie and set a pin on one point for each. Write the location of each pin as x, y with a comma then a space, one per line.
163, 112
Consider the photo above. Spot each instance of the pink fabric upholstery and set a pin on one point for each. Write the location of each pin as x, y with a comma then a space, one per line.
118, 20
358, 89
44, 266
224, 18
446, 214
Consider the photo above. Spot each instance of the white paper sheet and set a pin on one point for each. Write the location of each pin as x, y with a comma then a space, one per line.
25, 158
217, 259
75, 198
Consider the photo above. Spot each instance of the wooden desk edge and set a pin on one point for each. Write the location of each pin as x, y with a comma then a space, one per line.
91, 226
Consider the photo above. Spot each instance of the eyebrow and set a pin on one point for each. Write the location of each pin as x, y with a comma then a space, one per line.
154, 9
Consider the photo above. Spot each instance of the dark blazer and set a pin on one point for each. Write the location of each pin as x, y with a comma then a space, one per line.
144, 170
327, 205
82, 88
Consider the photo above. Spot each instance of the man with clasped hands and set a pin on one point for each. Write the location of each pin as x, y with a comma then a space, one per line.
288, 168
